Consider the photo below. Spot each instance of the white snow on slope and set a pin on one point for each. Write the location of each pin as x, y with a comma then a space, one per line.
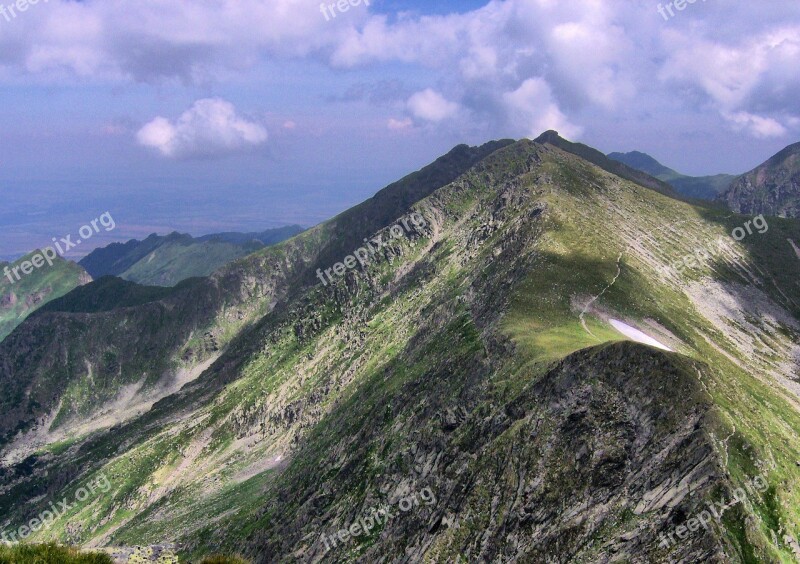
636, 335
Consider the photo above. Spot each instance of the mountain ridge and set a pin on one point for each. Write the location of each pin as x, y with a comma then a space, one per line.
21, 298
702, 187
772, 188
169, 259
472, 357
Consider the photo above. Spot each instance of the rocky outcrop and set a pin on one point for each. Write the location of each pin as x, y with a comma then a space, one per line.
611, 448
772, 188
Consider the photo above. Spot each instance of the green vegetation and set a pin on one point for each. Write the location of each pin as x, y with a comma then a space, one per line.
167, 260
702, 187
49, 554
217, 559
32, 291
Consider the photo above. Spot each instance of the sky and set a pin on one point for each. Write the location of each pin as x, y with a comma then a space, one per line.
217, 115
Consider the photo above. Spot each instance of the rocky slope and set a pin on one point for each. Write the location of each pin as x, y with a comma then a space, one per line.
467, 379
146, 348
772, 188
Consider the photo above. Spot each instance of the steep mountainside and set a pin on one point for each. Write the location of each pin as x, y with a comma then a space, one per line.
772, 188
143, 353
701, 187
20, 298
599, 159
167, 260
468, 379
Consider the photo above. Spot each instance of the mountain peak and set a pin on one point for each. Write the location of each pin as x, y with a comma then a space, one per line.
551, 137
772, 188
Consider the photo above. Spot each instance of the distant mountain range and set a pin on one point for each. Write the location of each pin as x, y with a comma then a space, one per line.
166, 260
700, 187
772, 188
499, 356
20, 298
157, 261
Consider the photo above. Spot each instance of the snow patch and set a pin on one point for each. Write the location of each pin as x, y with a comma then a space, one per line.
636, 335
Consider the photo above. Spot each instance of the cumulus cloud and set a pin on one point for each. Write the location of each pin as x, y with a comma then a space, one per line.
532, 107
761, 127
585, 60
210, 128
753, 83
429, 105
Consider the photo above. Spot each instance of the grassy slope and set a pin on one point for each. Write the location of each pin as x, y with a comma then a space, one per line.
35, 290
171, 263
88, 360
344, 357
581, 255
50, 554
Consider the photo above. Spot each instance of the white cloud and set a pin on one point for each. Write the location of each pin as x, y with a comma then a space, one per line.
399, 124
210, 128
531, 107
753, 83
429, 105
758, 126
591, 61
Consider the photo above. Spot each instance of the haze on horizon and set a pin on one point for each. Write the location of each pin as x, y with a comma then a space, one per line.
244, 115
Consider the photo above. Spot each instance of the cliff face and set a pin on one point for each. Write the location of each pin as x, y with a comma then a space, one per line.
772, 188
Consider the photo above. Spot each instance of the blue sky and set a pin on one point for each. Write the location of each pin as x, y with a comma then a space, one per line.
207, 115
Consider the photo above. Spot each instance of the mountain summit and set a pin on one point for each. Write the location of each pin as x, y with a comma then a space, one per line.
772, 188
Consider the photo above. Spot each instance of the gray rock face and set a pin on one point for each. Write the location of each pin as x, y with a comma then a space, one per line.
772, 188
613, 443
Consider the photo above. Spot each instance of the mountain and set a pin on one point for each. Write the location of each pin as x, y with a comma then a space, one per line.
166, 260
700, 187
21, 297
597, 158
465, 394
772, 188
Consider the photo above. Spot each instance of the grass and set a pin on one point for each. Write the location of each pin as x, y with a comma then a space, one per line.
49, 554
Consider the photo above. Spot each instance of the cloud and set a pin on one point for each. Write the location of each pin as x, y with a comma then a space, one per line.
753, 84
429, 105
760, 127
591, 62
532, 107
210, 128
399, 124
